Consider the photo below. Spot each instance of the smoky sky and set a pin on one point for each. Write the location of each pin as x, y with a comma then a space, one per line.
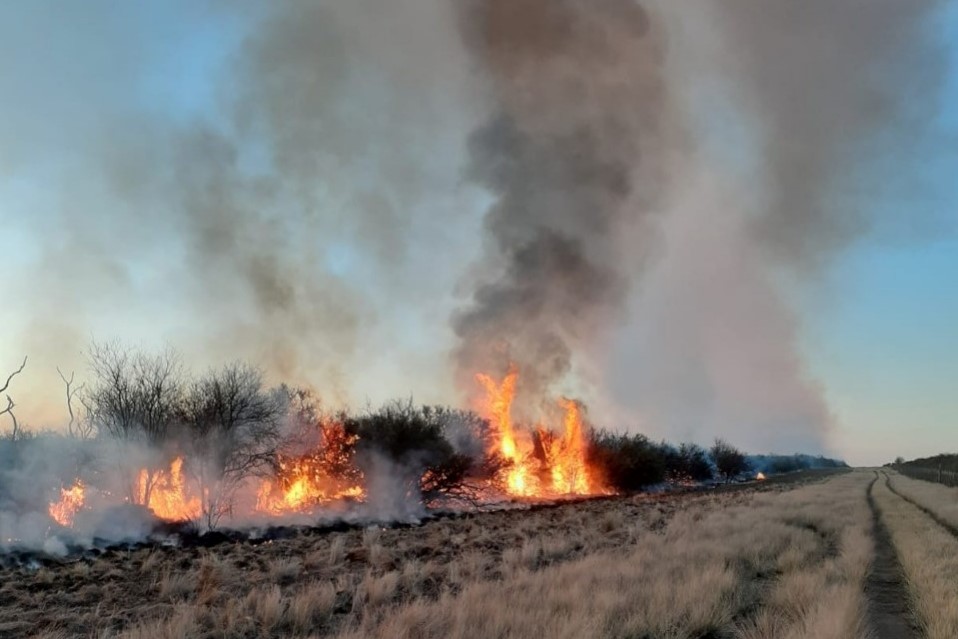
829, 85
586, 148
574, 154
362, 195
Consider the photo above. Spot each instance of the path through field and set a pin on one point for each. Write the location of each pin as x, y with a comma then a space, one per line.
888, 611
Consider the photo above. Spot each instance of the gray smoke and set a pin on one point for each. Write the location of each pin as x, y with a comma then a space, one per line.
278, 223
828, 87
574, 155
730, 143
311, 215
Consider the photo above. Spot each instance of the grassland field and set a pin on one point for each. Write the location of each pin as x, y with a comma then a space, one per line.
809, 555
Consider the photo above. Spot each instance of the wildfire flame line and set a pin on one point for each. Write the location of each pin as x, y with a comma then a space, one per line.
537, 464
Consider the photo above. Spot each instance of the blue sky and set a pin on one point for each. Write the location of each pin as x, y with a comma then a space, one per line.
879, 328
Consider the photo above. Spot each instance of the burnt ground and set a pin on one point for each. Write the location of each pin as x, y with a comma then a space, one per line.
889, 614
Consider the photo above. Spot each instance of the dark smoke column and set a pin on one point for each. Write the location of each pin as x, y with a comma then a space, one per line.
573, 153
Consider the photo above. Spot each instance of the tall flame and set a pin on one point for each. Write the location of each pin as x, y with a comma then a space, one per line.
71, 501
567, 456
520, 478
499, 399
165, 493
564, 469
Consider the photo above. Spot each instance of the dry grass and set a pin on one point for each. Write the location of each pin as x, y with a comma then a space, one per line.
788, 566
929, 557
939, 499
782, 563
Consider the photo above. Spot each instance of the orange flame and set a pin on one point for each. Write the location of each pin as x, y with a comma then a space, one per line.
760, 477
165, 493
71, 501
322, 476
499, 399
564, 469
567, 456
520, 478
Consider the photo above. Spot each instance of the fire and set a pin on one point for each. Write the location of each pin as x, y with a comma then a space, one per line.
165, 493
760, 477
326, 474
567, 456
300, 487
499, 400
520, 478
71, 501
561, 468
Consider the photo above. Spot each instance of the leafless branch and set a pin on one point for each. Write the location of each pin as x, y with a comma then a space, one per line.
14, 374
9, 411
71, 393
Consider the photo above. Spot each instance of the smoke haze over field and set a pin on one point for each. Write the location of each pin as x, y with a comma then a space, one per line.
630, 200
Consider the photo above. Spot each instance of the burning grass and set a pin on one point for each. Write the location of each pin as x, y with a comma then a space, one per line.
731, 563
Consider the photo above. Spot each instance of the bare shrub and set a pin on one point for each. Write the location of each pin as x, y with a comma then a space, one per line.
16, 432
135, 395
233, 426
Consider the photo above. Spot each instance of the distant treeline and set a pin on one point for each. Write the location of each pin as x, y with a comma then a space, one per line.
776, 464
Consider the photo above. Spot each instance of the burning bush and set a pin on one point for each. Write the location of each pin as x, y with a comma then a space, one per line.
318, 464
169, 446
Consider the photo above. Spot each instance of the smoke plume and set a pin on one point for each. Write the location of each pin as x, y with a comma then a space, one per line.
730, 144
574, 155
663, 180
827, 86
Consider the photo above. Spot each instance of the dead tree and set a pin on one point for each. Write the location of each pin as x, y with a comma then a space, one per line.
77, 427
10, 405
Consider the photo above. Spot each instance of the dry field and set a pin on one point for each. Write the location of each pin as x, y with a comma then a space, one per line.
783, 560
920, 517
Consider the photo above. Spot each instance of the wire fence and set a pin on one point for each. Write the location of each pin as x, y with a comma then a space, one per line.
944, 472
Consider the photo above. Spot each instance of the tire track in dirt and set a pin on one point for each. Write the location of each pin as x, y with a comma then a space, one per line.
888, 613
932, 514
